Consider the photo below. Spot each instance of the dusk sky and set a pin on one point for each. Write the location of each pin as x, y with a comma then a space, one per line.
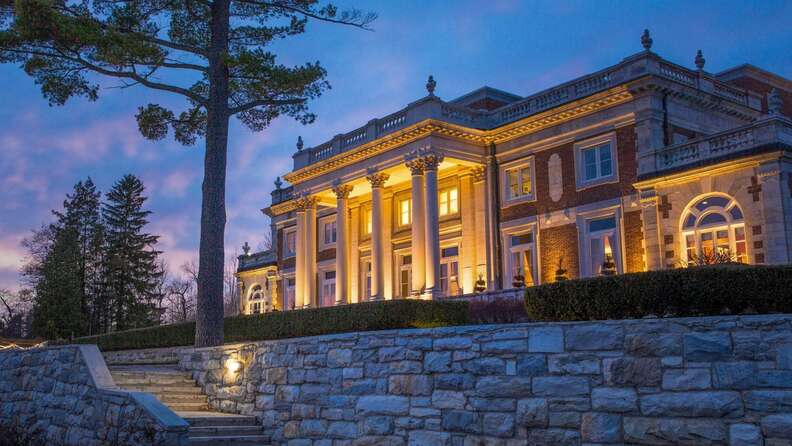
520, 47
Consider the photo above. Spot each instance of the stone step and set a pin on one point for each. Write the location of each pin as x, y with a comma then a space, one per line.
156, 379
214, 419
200, 406
248, 440
161, 389
224, 431
179, 398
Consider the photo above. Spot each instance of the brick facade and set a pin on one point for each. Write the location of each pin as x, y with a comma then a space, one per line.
633, 242
555, 243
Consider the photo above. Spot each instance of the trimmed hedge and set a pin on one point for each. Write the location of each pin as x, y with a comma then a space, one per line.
695, 291
364, 316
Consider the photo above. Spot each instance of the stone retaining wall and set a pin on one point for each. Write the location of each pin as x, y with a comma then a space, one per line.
66, 396
695, 381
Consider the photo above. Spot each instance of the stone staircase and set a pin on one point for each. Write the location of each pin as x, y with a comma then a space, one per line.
177, 390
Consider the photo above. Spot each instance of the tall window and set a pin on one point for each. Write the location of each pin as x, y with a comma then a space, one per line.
449, 271
714, 226
449, 201
405, 275
290, 243
288, 296
328, 288
367, 279
404, 212
519, 182
521, 261
603, 244
329, 232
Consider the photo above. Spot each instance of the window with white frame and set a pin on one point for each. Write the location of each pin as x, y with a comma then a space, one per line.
603, 244
290, 243
596, 161
522, 250
405, 275
714, 227
255, 308
328, 231
405, 209
449, 201
449, 271
367, 279
518, 181
328, 288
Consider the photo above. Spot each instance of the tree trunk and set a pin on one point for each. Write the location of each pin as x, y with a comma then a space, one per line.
209, 311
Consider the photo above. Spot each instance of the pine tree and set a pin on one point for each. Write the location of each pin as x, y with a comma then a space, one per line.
57, 311
132, 271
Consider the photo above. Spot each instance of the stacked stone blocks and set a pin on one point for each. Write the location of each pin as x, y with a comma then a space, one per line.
698, 381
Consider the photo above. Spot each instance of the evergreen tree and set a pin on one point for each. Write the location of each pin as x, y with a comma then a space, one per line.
57, 309
132, 273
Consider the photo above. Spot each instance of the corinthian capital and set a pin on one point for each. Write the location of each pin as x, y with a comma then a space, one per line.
377, 179
414, 163
431, 159
479, 173
342, 190
305, 202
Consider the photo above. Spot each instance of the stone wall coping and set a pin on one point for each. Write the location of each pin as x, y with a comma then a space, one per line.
483, 328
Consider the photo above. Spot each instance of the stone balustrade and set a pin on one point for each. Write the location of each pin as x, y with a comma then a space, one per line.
66, 396
769, 133
432, 107
715, 380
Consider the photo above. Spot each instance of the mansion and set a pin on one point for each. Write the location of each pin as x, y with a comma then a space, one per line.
642, 165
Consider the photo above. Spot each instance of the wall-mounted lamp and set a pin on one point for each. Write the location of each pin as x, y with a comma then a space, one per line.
233, 365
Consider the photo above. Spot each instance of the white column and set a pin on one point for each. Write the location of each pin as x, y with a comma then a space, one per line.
467, 252
418, 225
431, 163
342, 247
310, 255
480, 218
387, 247
299, 258
354, 256
377, 180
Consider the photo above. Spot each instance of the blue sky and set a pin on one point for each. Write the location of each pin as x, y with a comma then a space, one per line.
517, 46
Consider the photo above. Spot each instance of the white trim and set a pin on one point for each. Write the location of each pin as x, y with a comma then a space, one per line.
519, 164
506, 234
584, 241
328, 219
286, 253
580, 181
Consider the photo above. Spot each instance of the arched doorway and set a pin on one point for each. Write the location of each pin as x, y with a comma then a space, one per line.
713, 227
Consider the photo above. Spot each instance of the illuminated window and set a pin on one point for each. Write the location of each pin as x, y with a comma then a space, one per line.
714, 231
603, 244
519, 182
288, 297
329, 232
404, 212
449, 201
449, 271
521, 258
290, 244
328, 289
405, 275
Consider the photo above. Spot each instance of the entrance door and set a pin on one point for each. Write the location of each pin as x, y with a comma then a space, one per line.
449, 271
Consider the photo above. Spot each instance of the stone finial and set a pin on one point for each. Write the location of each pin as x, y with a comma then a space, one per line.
377, 179
299, 144
700, 61
342, 191
430, 85
246, 249
774, 102
278, 183
646, 40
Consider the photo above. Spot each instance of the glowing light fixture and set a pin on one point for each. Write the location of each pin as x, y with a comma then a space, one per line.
233, 365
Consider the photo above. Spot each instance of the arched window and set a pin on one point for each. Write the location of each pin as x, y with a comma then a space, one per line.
714, 225
256, 294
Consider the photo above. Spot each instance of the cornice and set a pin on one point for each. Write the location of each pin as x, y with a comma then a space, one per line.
428, 127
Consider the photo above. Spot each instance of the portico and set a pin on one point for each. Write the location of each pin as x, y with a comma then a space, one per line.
387, 221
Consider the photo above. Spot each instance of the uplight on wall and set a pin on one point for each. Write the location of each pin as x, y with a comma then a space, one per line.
233, 365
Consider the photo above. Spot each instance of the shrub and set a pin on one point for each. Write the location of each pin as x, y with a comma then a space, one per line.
498, 311
695, 291
364, 316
